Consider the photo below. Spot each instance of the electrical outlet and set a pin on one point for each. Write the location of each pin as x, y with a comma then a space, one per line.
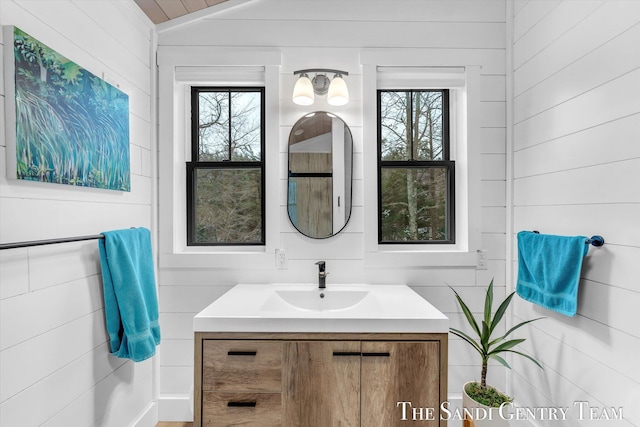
482, 260
281, 259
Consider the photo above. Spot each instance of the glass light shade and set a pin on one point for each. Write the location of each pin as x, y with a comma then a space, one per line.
303, 91
338, 92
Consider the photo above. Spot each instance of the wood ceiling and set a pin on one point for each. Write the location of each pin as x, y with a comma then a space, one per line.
164, 10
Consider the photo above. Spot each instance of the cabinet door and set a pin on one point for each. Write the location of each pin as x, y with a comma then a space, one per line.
321, 384
395, 372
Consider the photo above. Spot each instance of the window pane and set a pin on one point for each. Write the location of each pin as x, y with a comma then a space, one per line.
229, 126
213, 126
228, 206
427, 114
245, 126
414, 204
395, 132
411, 125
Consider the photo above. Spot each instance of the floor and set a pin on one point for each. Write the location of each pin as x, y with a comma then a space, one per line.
174, 424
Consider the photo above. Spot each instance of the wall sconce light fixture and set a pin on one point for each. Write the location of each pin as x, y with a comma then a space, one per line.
305, 88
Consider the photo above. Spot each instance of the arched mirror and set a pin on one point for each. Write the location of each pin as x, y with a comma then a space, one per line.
320, 172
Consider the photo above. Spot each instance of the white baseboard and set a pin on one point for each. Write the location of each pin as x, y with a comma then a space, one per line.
455, 402
523, 423
175, 408
148, 417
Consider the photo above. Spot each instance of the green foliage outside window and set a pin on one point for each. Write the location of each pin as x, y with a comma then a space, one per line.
228, 206
414, 206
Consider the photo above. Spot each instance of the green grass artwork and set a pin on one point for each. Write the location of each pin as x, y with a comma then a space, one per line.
72, 127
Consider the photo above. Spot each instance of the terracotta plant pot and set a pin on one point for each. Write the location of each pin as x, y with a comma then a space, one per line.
478, 415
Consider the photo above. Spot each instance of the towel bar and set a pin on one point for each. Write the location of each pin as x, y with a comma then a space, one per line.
30, 243
593, 241
48, 242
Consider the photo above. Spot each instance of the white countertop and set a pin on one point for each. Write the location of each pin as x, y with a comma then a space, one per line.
268, 308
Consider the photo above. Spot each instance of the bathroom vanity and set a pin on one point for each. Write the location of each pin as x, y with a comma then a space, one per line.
294, 355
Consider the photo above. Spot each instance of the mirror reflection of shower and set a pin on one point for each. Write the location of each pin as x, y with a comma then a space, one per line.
320, 174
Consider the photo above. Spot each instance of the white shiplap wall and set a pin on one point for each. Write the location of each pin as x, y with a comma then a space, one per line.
576, 165
55, 366
313, 34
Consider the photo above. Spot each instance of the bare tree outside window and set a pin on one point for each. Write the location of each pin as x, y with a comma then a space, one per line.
416, 175
229, 126
226, 188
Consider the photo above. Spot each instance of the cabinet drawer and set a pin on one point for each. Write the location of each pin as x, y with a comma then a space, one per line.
246, 409
230, 365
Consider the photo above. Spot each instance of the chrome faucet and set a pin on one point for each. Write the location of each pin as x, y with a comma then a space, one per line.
322, 274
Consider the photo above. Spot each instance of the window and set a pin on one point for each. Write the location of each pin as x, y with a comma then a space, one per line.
415, 172
225, 179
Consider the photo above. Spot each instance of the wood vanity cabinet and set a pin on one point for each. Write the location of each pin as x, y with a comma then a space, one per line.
318, 379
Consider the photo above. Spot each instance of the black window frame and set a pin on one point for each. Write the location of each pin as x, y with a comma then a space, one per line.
446, 163
194, 165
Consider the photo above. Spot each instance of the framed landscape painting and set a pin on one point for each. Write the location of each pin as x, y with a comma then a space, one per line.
64, 124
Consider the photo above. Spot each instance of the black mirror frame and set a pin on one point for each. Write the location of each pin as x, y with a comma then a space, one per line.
350, 175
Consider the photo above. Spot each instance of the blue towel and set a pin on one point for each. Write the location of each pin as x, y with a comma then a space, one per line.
130, 300
549, 270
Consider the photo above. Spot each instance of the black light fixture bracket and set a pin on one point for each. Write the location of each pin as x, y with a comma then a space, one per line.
320, 81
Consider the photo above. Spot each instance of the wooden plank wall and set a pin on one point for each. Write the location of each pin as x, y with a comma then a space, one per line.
55, 365
576, 68
334, 34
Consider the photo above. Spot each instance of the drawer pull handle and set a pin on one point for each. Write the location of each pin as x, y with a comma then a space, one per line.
383, 354
346, 353
242, 404
242, 353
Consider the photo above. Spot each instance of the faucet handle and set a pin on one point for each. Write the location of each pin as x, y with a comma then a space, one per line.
322, 274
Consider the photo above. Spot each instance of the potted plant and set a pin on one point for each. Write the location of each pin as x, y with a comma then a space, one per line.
479, 399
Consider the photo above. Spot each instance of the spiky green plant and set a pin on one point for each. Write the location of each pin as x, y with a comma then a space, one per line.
491, 347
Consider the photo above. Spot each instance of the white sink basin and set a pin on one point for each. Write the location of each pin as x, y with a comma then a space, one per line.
300, 308
315, 299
